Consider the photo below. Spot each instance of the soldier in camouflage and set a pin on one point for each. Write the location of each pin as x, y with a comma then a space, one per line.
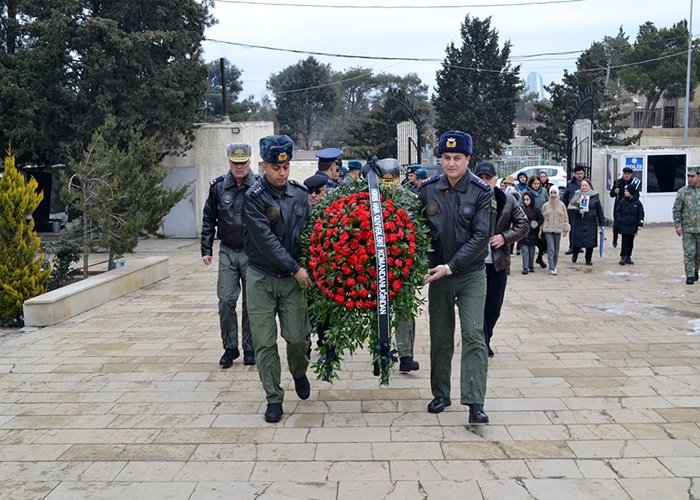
686, 218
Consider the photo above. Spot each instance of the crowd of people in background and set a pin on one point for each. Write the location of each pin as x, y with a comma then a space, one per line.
256, 218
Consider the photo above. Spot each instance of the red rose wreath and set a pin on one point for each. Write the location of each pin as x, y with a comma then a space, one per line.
341, 260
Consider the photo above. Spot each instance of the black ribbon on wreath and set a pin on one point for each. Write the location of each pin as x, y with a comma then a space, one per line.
384, 356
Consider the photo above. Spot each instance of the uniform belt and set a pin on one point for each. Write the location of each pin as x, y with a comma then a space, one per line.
231, 247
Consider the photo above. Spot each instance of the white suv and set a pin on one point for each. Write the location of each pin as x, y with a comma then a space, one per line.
557, 175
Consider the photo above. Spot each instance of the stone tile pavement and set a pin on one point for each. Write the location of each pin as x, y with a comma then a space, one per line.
594, 392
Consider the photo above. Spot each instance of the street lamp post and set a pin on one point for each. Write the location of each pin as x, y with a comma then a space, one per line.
687, 75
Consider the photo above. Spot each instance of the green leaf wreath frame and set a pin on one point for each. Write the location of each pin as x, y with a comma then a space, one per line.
339, 254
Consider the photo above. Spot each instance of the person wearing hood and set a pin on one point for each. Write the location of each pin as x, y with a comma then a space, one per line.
586, 221
629, 217
522, 182
556, 224
540, 196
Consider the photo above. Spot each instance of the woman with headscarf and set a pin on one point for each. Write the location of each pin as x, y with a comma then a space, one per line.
588, 218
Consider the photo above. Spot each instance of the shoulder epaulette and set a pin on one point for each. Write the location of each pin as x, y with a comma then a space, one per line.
256, 190
297, 184
483, 185
216, 180
434, 178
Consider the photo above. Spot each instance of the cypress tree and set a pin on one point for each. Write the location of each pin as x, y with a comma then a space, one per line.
22, 274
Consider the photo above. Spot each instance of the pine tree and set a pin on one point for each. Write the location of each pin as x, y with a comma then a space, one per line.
22, 274
477, 89
118, 191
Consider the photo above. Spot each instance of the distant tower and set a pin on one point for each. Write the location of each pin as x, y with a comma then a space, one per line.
534, 84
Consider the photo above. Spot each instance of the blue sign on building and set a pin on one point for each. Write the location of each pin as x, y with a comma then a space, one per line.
636, 164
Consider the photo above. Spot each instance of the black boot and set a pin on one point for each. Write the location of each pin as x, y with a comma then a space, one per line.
689, 280
407, 364
477, 415
574, 257
623, 261
628, 260
273, 412
248, 357
226, 360
438, 404
302, 387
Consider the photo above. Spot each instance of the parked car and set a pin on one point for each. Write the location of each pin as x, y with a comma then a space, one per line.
556, 174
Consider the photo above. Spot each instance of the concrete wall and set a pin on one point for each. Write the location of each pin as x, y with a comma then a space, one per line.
208, 155
208, 159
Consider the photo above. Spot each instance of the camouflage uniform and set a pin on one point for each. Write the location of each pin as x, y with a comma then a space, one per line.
686, 214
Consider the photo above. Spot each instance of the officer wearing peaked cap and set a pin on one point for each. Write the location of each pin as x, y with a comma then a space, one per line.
461, 213
329, 163
275, 211
354, 169
222, 217
686, 219
412, 182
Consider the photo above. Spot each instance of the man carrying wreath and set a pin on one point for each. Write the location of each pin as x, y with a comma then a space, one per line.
275, 211
461, 213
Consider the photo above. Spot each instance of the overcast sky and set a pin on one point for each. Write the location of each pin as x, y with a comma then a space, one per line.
423, 33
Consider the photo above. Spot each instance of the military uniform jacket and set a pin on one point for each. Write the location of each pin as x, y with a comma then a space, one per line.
223, 212
461, 221
274, 219
686, 209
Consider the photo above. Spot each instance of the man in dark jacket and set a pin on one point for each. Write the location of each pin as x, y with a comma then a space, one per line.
275, 211
222, 217
461, 213
571, 188
511, 226
618, 192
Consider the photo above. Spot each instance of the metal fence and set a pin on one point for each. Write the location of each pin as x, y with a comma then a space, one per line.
667, 117
517, 157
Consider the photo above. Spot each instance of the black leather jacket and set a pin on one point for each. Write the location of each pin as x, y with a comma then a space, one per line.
222, 212
461, 221
274, 219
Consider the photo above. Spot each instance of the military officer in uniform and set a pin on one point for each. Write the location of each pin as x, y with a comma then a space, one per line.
222, 215
316, 186
329, 163
354, 168
461, 213
686, 219
275, 211
390, 173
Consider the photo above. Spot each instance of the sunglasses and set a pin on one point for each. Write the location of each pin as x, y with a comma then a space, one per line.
316, 190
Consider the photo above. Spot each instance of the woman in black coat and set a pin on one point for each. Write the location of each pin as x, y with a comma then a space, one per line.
629, 217
586, 222
528, 245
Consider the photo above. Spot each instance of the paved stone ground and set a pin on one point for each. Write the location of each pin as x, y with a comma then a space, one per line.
594, 393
